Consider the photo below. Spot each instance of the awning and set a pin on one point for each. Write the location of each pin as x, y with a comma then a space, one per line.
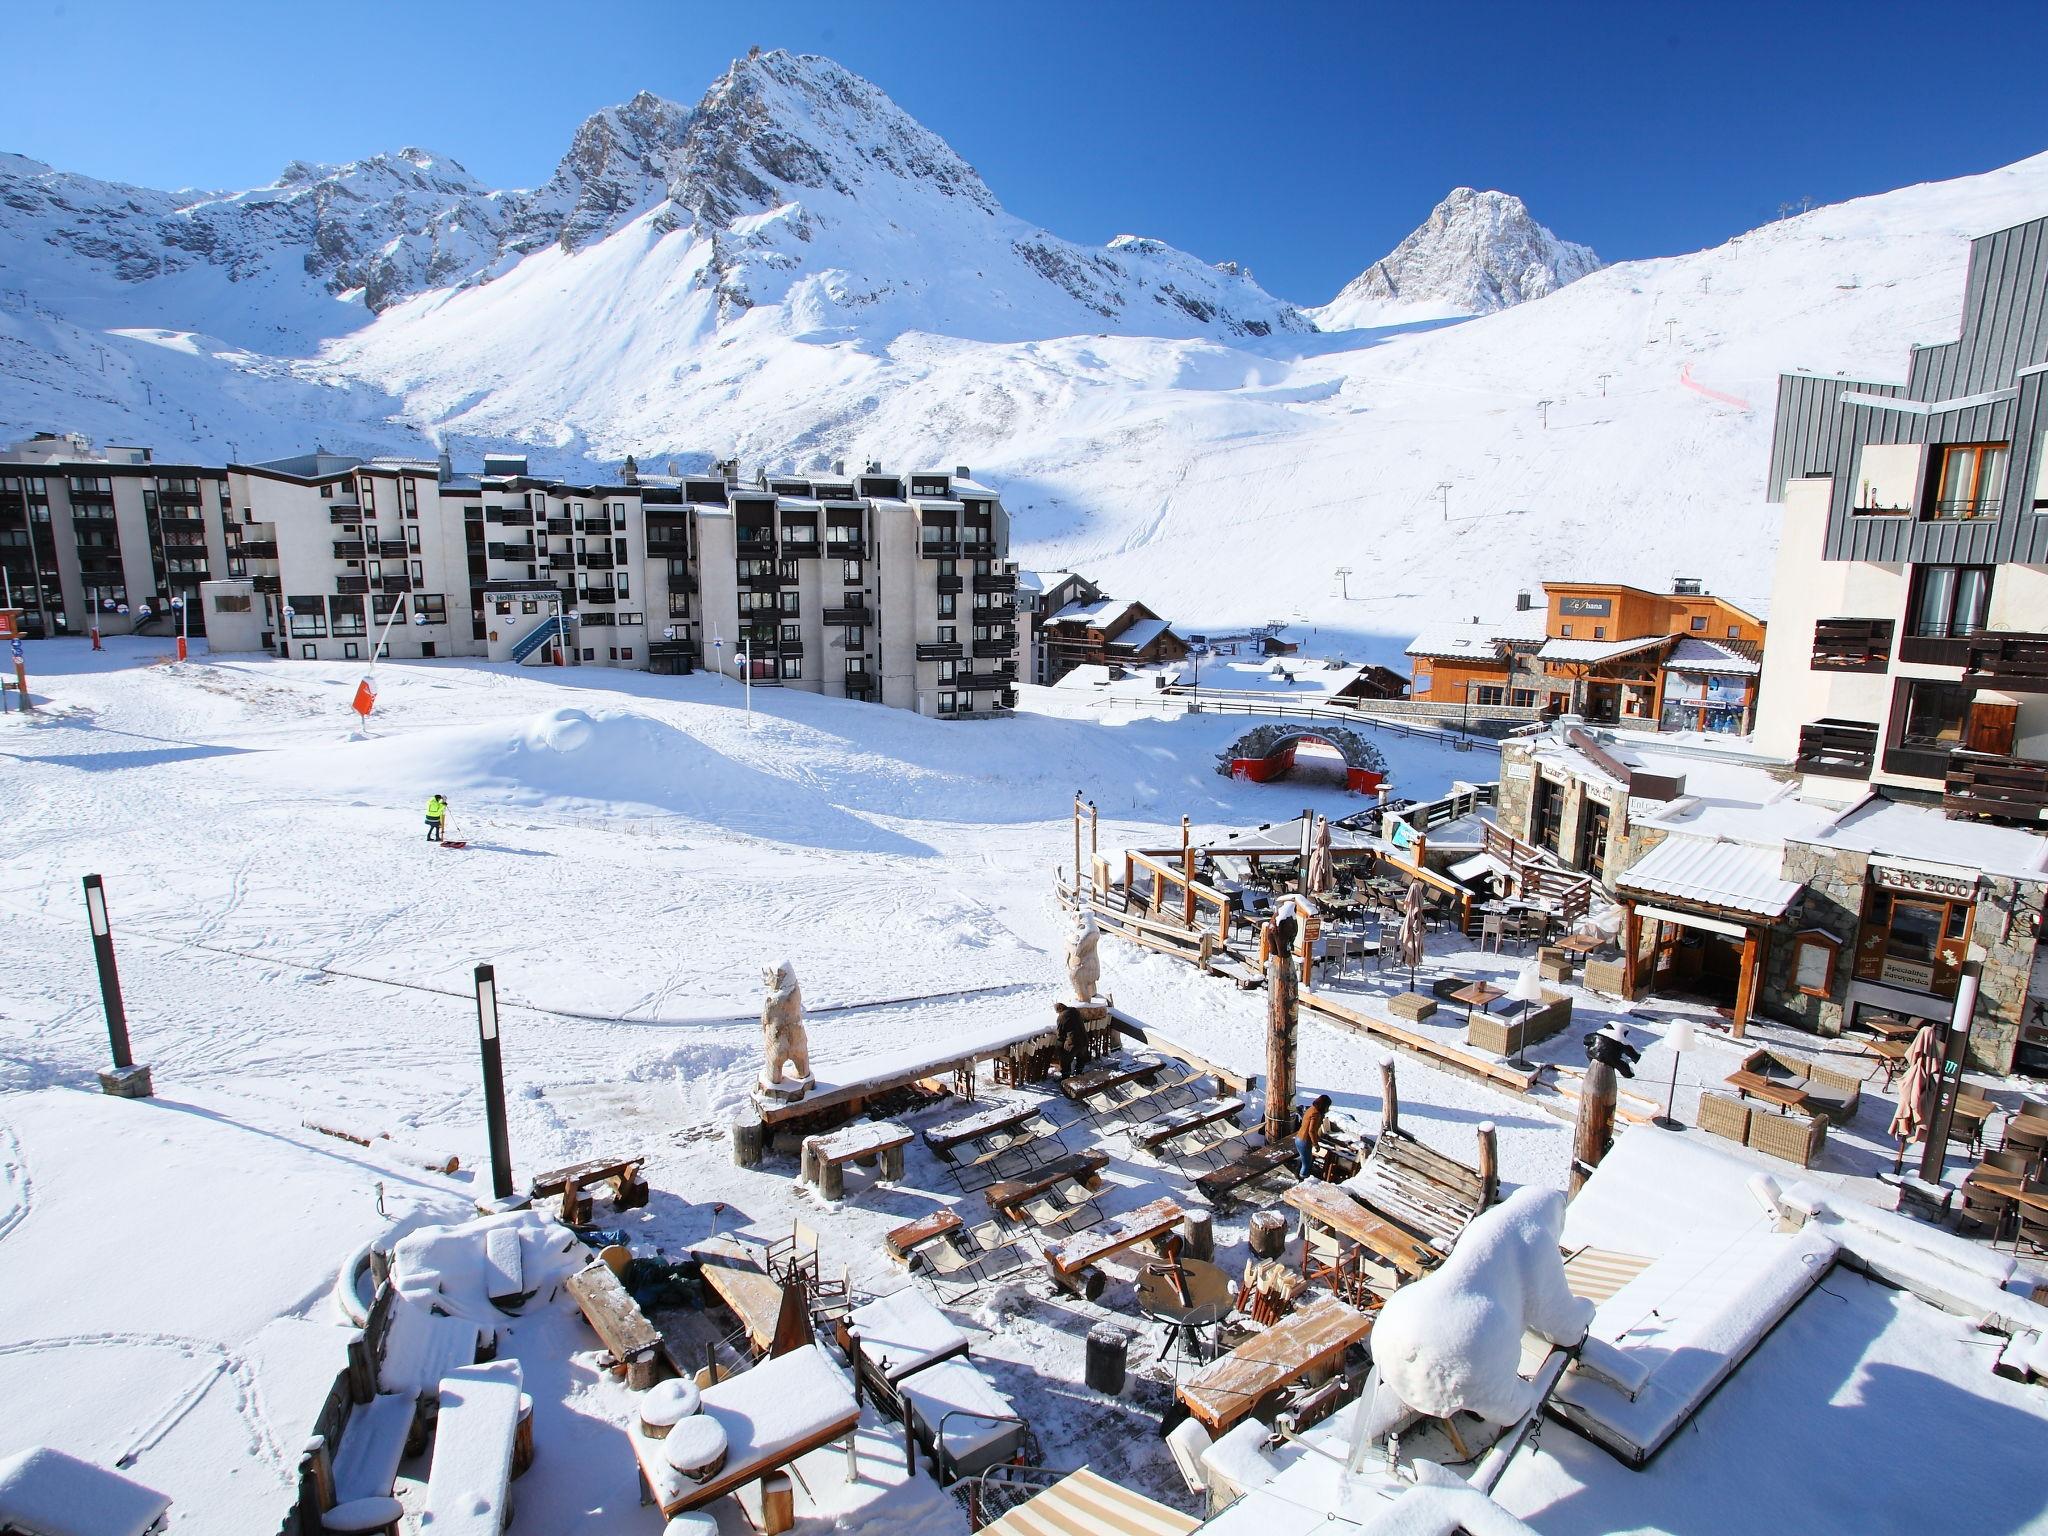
1083, 1504
1714, 872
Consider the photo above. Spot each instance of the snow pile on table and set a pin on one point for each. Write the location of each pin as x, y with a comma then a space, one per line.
1721, 1276
904, 1331
450, 1268
156, 1283
53, 1494
954, 1402
778, 1405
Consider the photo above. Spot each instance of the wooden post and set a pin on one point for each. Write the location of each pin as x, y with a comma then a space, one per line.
1631, 941
747, 1137
1094, 829
1282, 1020
1745, 984
1266, 1234
1199, 1232
1489, 1164
1594, 1130
1187, 871
1390, 1098
1077, 847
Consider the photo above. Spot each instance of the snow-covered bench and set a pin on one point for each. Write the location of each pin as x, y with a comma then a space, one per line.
372, 1445
469, 1480
421, 1346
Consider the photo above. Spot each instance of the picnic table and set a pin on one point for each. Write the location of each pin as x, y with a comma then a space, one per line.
617, 1319
739, 1277
997, 1117
1006, 1196
1075, 1256
1786, 1095
1175, 1121
825, 1157
629, 1190
1309, 1341
923, 1230
1099, 1078
1331, 1206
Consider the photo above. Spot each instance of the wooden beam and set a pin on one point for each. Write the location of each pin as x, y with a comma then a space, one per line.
1631, 943
1745, 986
1390, 1098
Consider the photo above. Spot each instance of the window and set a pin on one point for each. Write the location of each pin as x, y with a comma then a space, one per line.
621, 584
1599, 631
948, 670
792, 666
1547, 814
431, 606
850, 572
327, 492
1564, 631
1949, 601
590, 653
786, 600
418, 571
949, 634
426, 648
856, 666
230, 602
1734, 631
1488, 694
792, 634
949, 605
632, 618
412, 540
625, 653
309, 652
1813, 962
856, 636
351, 651
1935, 715
1523, 698
1971, 481
527, 605
1914, 940
1699, 623
948, 704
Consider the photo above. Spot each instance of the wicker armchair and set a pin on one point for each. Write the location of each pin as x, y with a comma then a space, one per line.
1722, 1116
1796, 1138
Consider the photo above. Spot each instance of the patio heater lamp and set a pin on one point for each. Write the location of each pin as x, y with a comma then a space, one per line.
127, 1080
494, 1081
1681, 1039
1528, 988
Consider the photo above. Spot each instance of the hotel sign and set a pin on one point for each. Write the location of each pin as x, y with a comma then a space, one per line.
1585, 607
1922, 882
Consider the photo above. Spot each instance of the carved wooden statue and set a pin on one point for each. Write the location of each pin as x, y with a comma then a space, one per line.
784, 1043
1084, 965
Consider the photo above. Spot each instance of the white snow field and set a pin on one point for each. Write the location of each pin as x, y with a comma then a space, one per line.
292, 948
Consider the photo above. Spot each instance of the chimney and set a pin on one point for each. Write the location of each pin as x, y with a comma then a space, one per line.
839, 466
730, 470
631, 473
444, 467
961, 472
1524, 602
1686, 586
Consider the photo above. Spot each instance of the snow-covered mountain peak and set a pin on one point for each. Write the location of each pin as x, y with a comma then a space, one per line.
1476, 253
620, 163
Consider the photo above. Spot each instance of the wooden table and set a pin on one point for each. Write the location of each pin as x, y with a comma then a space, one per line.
739, 1276
617, 1319
1331, 1206
825, 1157
1082, 1250
1890, 1056
1202, 1112
1308, 1341
1106, 1077
1006, 1196
997, 1117
1885, 1027
2028, 1123
923, 1230
1755, 1085
1477, 995
2012, 1186
1580, 943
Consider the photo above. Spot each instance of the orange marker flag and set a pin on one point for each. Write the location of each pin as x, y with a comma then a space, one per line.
365, 699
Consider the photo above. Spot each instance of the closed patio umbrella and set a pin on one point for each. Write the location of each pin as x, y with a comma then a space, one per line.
1321, 867
1918, 1083
1412, 937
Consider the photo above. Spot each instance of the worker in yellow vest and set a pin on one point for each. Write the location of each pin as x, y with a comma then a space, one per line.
437, 814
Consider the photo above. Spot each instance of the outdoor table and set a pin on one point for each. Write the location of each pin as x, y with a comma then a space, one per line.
1333, 1207
1890, 1056
1581, 943
1755, 1085
1071, 1255
2011, 1186
923, 1230
1186, 1118
1970, 1114
1005, 1196
1099, 1078
1308, 1341
2028, 1123
1885, 1027
997, 1117
739, 1276
1477, 995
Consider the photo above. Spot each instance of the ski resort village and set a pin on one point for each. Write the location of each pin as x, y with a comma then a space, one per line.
739, 845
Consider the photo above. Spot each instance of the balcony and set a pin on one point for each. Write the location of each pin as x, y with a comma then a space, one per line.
940, 549
1965, 509
511, 517
255, 549
860, 685
756, 540
348, 514
995, 650
767, 583
393, 549
669, 544
267, 583
598, 559
394, 583
983, 681
948, 583
599, 595
351, 584
2005, 788
557, 525
979, 549
561, 560
347, 549
681, 581
992, 581
187, 517
1935, 650
1852, 645
515, 552
790, 647
845, 549
856, 614
942, 650
1837, 749
2018, 661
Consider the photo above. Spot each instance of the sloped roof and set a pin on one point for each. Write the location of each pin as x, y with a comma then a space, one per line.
1141, 634
1695, 655
1714, 872
1476, 640
1595, 650
1100, 614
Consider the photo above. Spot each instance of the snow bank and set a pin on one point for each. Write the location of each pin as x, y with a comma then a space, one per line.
449, 1268
53, 1494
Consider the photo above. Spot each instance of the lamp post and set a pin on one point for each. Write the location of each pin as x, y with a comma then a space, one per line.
494, 1081
745, 663
1528, 988
127, 1080
1681, 1039
178, 604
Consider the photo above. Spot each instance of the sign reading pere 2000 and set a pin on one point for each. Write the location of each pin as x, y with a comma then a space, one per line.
1586, 607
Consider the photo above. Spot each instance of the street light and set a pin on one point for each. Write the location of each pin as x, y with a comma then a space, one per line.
745, 663
1683, 1037
127, 1080
494, 1081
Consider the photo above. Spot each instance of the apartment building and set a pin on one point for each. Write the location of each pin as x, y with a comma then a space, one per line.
872, 586
1682, 660
1910, 649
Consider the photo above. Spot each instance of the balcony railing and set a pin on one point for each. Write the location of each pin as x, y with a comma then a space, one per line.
856, 614
347, 549
393, 549
677, 543
767, 583
517, 552
948, 583
982, 681
511, 517
599, 595
176, 516
941, 650
1837, 749
394, 583
344, 514
1963, 509
1935, 650
267, 583
351, 584
558, 525
1852, 645
992, 581
598, 559
940, 549
2013, 660
995, 650
2007, 788
256, 549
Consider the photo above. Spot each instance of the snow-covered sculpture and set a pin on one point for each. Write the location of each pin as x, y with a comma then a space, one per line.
1084, 965
784, 1043
1452, 1341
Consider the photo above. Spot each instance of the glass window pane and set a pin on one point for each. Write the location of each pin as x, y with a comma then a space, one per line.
1972, 600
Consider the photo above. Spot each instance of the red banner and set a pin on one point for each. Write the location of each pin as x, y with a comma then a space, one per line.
365, 699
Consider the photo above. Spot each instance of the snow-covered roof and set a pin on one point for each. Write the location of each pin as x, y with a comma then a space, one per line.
1695, 655
1087, 675
1896, 829
1595, 650
1715, 872
973, 487
1454, 642
1141, 634
1100, 614
54, 1493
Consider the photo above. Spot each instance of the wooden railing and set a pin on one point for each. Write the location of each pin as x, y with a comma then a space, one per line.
2018, 660
1983, 784
1852, 645
1840, 749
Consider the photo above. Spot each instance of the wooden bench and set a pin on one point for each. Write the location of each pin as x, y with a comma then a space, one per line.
1419, 1189
1333, 1207
740, 1277
908, 1236
629, 1190
997, 1117
1006, 1198
1072, 1260
610, 1309
825, 1157
1150, 1133
1220, 1184
469, 1480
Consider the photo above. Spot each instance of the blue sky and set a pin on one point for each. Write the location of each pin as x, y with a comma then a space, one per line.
1303, 139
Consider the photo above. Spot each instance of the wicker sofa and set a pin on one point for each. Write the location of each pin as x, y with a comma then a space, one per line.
1828, 1092
1796, 1138
1511, 1034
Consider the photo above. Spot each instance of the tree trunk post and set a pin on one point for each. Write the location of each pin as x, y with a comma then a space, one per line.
747, 1138
1198, 1231
1390, 1099
1282, 1020
1266, 1234
1489, 1164
1594, 1130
